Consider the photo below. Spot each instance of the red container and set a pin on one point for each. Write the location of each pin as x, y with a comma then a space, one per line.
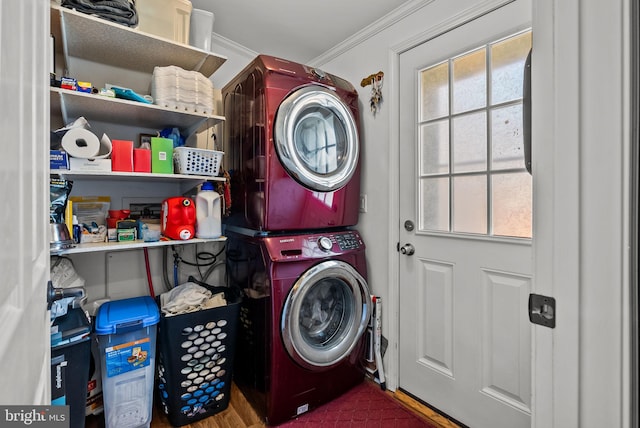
178, 216
142, 160
122, 155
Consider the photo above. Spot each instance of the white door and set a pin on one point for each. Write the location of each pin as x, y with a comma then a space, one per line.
465, 207
24, 97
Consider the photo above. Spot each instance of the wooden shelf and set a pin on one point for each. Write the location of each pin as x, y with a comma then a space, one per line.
101, 41
95, 247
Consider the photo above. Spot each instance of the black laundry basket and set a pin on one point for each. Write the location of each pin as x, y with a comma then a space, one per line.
195, 361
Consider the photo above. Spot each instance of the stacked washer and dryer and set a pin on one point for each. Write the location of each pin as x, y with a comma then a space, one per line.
292, 149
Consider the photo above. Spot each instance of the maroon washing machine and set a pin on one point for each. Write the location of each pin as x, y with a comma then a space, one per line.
291, 147
306, 306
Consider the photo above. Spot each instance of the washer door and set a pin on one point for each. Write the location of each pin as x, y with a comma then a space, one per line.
316, 138
324, 315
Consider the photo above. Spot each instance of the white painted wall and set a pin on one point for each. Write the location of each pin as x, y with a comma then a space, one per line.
237, 58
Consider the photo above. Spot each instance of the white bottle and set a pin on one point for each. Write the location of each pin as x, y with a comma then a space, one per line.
208, 212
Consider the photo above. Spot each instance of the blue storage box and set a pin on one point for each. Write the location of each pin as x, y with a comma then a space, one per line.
126, 332
58, 159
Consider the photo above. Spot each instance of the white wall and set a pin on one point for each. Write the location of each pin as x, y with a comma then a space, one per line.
237, 58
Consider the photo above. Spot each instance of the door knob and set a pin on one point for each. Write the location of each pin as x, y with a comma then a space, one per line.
407, 249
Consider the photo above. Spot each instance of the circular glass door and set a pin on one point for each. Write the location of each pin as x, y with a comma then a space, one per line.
316, 138
324, 315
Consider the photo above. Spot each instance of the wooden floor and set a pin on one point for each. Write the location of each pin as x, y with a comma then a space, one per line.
240, 414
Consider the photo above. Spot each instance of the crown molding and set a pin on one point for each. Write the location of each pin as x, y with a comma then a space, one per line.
374, 28
467, 15
217, 39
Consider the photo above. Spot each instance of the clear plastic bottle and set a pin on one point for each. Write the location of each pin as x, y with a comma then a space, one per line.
208, 212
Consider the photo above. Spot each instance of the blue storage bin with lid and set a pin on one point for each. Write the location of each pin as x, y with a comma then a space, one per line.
126, 332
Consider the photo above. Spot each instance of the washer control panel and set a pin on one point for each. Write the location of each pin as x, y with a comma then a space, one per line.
344, 240
316, 245
348, 241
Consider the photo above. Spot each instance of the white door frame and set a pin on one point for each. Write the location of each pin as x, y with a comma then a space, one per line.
581, 194
581, 368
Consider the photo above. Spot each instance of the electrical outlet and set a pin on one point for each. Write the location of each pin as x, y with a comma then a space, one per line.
363, 203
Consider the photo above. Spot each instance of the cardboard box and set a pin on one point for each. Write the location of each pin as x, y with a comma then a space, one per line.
58, 159
161, 155
95, 165
142, 160
122, 155
126, 235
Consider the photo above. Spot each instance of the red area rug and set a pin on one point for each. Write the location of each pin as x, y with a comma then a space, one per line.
366, 406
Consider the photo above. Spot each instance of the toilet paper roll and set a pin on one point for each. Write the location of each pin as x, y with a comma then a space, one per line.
81, 143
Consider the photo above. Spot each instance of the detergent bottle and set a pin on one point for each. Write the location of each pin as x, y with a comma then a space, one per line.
178, 216
208, 212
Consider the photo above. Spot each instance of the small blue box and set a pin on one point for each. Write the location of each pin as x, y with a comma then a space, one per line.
58, 159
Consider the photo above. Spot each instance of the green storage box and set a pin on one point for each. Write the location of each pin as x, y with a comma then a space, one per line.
161, 155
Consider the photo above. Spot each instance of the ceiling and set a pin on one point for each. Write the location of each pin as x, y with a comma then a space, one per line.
299, 30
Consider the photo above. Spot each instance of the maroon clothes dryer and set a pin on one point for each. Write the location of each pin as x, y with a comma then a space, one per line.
306, 306
292, 147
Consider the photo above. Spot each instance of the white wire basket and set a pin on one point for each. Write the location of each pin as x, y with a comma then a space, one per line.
188, 160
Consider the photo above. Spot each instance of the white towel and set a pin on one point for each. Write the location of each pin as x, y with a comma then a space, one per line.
189, 297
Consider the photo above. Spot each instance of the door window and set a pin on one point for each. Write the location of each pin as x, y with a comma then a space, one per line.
472, 176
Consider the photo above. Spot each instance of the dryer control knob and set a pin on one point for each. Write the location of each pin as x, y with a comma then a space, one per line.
325, 243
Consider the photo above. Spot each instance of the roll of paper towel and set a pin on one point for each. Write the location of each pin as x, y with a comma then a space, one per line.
81, 143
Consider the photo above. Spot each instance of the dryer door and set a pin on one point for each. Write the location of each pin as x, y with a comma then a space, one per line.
316, 138
325, 314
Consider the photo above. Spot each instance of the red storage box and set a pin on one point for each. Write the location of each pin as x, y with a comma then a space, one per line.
142, 160
122, 155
